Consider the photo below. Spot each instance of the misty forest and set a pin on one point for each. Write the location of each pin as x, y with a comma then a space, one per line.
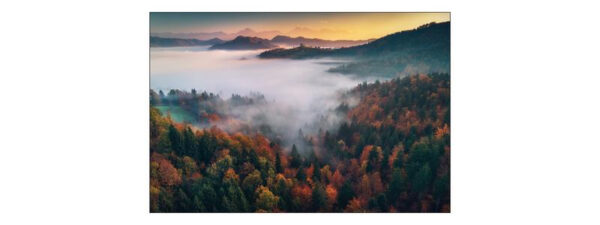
248, 123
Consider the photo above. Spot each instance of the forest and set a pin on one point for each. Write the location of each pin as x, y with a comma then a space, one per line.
391, 154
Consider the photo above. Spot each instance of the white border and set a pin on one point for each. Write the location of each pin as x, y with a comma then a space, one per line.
74, 82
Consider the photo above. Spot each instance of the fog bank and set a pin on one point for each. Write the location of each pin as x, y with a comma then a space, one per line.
299, 94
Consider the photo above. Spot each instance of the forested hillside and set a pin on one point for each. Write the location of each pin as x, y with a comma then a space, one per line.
391, 154
425, 49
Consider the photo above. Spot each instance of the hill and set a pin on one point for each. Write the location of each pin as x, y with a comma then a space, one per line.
315, 42
422, 50
245, 43
178, 42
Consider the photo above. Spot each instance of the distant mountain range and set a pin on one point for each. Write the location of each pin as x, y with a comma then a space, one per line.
268, 34
245, 43
178, 42
219, 34
425, 49
424, 38
315, 42
249, 43
265, 43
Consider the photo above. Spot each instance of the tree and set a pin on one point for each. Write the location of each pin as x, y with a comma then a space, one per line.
385, 166
154, 195
331, 193
296, 159
441, 189
318, 197
337, 179
317, 172
266, 200
175, 138
397, 185
251, 182
278, 167
364, 187
189, 166
373, 159
301, 175
181, 202
168, 174
355, 205
233, 194
302, 197
189, 142
155, 123
345, 194
165, 201
382, 202
207, 197
422, 179
282, 189
154, 98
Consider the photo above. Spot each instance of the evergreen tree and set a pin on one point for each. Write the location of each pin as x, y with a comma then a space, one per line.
397, 185
278, 167
175, 138
296, 158
345, 194
301, 175
318, 197
189, 142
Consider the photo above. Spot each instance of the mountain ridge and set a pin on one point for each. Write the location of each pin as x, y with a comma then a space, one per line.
245, 43
180, 42
424, 49
403, 40
316, 42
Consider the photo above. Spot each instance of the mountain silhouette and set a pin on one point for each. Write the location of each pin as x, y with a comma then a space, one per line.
315, 42
176, 42
245, 43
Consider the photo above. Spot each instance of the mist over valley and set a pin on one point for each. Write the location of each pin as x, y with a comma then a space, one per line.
298, 94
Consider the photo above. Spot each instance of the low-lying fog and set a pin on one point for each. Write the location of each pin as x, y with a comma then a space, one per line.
299, 91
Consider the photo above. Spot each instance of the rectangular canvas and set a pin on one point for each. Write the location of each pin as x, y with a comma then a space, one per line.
299, 112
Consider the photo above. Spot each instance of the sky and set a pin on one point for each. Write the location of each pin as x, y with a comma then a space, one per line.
331, 26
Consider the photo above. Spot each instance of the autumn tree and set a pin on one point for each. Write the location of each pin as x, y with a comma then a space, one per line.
168, 174
251, 182
302, 198
331, 193
355, 205
266, 200
189, 166
337, 179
